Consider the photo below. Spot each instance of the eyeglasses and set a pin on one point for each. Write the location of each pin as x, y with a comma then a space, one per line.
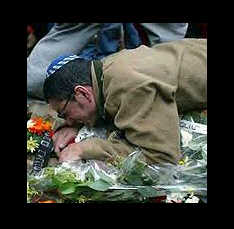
62, 113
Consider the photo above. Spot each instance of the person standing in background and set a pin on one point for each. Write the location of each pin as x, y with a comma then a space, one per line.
92, 41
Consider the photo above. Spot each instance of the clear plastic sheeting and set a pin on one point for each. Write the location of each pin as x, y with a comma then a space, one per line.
86, 132
168, 178
165, 179
186, 182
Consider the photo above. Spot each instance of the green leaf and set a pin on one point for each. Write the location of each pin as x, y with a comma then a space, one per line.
133, 179
100, 185
105, 178
67, 188
147, 191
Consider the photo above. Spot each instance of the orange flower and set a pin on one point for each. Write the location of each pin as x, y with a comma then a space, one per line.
47, 201
46, 125
40, 126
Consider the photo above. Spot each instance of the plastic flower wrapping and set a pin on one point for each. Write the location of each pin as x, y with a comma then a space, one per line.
127, 179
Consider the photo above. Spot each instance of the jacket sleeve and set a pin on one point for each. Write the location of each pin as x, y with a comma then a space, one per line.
100, 149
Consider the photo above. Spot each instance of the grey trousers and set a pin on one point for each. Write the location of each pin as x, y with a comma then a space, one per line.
71, 38
62, 39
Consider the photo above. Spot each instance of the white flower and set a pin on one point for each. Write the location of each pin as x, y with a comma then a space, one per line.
30, 124
175, 197
194, 199
31, 145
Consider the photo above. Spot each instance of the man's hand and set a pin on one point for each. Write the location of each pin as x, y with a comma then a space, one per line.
71, 153
62, 137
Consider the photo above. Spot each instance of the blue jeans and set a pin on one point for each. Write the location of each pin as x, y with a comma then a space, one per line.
109, 38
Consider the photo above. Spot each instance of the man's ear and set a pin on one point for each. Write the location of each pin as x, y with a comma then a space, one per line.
82, 91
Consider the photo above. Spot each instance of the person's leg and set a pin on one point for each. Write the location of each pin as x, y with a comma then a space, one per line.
131, 35
107, 42
65, 38
109, 39
164, 32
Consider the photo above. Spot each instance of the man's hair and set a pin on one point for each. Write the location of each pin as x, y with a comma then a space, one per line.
61, 83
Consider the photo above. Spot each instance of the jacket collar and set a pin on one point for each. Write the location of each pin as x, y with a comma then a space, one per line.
97, 82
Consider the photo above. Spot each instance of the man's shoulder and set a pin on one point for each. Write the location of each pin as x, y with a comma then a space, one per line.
123, 57
108, 60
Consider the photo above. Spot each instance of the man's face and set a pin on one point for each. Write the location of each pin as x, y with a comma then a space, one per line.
81, 109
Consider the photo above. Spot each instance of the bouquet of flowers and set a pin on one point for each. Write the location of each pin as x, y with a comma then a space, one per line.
126, 179
36, 127
39, 143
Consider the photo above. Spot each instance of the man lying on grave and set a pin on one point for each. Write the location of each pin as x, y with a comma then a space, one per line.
137, 93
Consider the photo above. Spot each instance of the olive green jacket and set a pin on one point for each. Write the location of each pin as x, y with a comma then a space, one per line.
142, 91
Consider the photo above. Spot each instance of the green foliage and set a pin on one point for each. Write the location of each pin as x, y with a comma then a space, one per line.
100, 185
195, 116
67, 188
34, 136
134, 172
147, 191
63, 177
31, 192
